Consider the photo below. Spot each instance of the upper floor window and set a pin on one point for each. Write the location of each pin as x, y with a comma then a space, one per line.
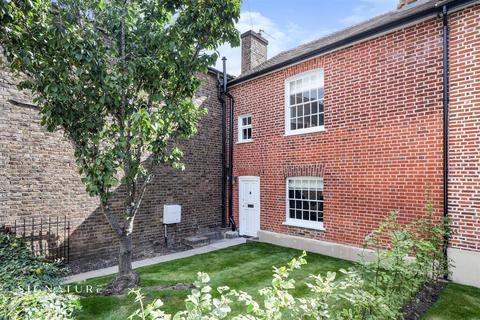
304, 103
245, 128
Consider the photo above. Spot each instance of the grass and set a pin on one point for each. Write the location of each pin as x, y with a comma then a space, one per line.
456, 302
246, 267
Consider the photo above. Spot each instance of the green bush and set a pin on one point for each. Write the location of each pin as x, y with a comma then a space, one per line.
407, 257
30, 286
38, 305
20, 269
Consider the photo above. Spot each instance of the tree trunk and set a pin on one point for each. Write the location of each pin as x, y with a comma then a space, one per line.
125, 256
126, 277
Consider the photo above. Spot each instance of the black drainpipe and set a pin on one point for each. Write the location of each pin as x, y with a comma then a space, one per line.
445, 120
221, 86
230, 166
224, 94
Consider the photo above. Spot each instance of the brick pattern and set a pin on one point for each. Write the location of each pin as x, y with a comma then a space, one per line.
254, 50
382, 147
464, 160
313, 170
38, 178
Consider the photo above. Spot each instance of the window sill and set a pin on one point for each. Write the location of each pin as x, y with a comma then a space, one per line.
245, 141
306, 225
305, 131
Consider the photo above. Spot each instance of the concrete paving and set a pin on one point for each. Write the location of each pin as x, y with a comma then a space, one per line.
213, 246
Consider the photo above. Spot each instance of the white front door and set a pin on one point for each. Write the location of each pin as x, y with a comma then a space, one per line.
249, 205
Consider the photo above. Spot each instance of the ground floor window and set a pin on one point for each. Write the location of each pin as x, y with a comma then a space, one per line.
305, 202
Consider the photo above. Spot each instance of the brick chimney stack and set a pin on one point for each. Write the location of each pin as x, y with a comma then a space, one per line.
254, 50
403, 3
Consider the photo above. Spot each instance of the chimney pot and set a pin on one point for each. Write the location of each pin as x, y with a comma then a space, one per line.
254, 50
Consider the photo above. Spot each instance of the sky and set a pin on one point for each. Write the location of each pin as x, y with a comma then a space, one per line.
289, 23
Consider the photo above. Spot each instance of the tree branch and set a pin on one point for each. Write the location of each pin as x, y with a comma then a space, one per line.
131, 218
142, 192
198, 48
112, 219
131, 185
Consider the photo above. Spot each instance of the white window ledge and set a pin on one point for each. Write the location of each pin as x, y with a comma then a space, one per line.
305, 131
245, 141
305, 224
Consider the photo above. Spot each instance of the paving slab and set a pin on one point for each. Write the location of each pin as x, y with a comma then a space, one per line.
213, 246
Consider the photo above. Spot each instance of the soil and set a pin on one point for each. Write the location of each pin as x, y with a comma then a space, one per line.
99, 262
120, 284
423, 300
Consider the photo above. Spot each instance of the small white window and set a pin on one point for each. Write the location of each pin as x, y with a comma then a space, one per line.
245, 128
305, 202
304, 111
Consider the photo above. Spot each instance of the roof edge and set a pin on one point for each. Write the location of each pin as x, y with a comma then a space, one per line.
215, 71
360, 37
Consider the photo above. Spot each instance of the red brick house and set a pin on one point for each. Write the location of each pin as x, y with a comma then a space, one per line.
334, 134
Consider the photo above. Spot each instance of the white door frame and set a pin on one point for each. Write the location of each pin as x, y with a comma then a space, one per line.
243, 230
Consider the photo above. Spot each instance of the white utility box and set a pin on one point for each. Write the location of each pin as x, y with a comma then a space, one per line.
172, 213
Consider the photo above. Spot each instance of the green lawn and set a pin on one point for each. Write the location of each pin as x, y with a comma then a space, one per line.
247, 267
456, 302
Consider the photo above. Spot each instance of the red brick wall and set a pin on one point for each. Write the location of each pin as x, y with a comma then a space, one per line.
464, 191
382, 148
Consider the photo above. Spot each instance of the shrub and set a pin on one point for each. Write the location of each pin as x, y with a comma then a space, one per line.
408, 257
20, 269
29, 285
39, 305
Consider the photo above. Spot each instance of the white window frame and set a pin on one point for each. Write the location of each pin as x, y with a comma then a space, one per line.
317, 225
288, 131
240, 128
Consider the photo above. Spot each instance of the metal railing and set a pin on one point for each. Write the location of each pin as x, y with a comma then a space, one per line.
48, 238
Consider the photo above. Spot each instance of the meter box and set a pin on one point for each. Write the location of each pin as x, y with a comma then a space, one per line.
172, 213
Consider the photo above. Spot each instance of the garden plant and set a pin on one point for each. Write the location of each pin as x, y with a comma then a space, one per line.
408, 257
30, 288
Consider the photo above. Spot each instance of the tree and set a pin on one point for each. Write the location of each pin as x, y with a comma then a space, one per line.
118, 77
